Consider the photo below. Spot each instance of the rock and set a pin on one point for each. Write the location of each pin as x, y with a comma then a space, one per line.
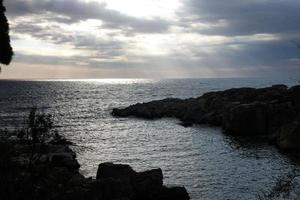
115, 171
113, 188
294, 92
148, 182
77, 193
212, 118
240, 111
173, 193
294, 95
152, 110
76, 179
186, 124
64, 159
279, 114
246, 119
289, 137
54, 174
117, 181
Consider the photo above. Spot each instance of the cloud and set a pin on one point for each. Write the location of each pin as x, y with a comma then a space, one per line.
205, 38
56, 35
74, 11
235, 17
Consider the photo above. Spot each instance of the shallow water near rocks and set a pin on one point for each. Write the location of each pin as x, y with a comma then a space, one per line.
208, 163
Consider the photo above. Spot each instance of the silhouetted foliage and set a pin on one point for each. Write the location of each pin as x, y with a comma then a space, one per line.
6, 51
17, 181
37, 127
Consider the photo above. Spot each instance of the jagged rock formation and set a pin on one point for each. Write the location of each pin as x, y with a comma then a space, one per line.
50, 171
271, 111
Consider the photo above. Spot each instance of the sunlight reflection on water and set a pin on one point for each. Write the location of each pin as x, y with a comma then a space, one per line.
103, 81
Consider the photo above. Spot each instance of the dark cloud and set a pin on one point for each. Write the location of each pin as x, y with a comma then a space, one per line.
102, 48
253, 20
235, 17
73, 11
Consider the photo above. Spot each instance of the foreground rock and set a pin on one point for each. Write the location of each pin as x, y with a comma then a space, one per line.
51, 171
133, 185
271, 111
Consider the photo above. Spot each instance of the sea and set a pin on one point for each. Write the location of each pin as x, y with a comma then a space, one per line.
210, 164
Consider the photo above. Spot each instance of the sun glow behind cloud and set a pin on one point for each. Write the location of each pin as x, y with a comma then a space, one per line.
144, 8
152, 38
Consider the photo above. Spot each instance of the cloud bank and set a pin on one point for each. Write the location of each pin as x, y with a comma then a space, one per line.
201, 39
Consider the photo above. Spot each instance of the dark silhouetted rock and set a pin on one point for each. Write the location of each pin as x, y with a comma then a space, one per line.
123, 182
148, 183
289, 136
115, 171
247, 119
114, 188
240, 111
173, 193
54, 174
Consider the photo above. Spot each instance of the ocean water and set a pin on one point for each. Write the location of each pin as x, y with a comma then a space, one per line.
208, 163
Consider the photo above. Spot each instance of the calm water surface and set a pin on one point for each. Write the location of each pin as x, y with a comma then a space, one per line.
210, 164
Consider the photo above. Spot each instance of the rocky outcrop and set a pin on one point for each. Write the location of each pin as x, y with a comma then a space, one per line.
139, 185
289, 136
240, 111
51, 171
247, 119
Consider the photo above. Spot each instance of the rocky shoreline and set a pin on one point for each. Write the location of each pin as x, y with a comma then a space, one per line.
51, 171
272, 112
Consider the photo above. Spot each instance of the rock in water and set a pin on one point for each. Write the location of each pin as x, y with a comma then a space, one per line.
240, 111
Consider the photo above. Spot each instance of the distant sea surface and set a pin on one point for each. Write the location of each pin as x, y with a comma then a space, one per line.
210, 164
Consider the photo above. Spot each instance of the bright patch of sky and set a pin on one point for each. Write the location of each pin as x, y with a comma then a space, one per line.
144, 8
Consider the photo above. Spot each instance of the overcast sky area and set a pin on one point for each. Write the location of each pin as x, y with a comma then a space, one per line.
153, 38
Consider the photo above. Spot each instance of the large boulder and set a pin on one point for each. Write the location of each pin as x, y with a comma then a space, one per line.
115, 171
173, 193
117, 181
148, 183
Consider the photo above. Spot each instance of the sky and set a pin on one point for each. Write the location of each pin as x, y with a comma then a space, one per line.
153, 38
